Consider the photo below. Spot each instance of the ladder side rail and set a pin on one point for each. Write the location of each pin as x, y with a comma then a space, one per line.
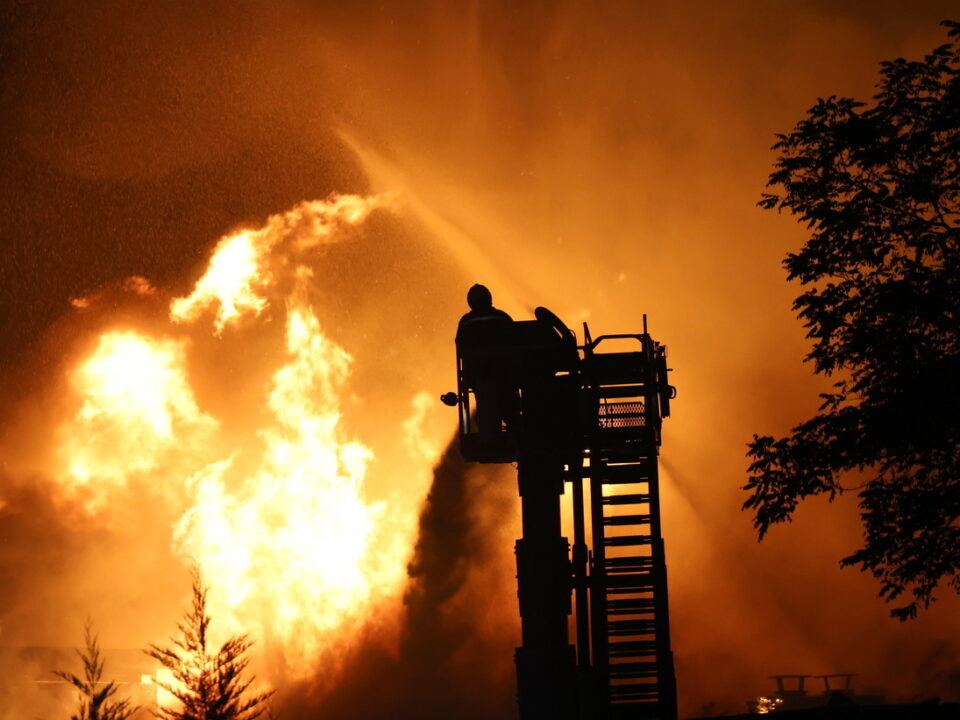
598, 579
666, 673
592, 344
580, 577
599, 599
651, 388
598, 590
581, 580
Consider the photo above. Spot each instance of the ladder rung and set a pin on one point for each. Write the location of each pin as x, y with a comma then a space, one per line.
632, 451
632, 648
630, 606
630, 670
622, 473
634, 582
632, 499
644, 689
621, 391
625, 540
631, 627
627, 520
625, 564
635, 690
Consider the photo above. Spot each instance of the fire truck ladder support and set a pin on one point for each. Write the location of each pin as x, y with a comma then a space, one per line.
630, 630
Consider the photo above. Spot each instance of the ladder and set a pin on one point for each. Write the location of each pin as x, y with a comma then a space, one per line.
621, 404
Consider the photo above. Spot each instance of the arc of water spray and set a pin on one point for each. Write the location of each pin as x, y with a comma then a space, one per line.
387, 175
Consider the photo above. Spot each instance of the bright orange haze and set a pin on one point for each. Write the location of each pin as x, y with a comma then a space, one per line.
264, 404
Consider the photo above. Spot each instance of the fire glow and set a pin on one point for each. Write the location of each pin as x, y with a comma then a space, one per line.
281, 528
136, 406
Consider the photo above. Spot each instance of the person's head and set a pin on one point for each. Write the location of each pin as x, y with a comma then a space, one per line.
479, 298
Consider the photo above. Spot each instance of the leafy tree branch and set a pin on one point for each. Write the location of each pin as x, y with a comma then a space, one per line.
878, 187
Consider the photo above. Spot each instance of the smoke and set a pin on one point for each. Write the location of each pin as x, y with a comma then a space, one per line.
452, 657
29, 518
603, 160
52, 548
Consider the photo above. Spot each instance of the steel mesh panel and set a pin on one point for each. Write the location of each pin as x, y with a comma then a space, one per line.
621, 415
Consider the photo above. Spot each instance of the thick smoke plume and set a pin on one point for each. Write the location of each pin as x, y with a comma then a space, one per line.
452, 659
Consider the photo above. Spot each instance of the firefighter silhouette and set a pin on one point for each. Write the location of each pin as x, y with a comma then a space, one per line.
495, 389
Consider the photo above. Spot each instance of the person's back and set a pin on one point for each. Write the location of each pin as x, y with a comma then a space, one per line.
477, 333
481, 311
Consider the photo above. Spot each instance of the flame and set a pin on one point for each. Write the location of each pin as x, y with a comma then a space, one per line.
296, 547
278, 521
764, 705
137, 409
237, 274
229, 281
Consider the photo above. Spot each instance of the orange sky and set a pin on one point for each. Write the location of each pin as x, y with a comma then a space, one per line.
603, 160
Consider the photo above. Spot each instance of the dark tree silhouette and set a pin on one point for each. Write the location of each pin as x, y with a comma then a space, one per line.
879, 189
96, 695
209, 686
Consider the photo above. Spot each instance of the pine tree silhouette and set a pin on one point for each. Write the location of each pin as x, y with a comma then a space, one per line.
208, 685
96, 701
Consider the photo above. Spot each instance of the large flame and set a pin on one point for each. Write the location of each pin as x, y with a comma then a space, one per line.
279, 523
229, 281
296, 547
237, 272
137, 413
